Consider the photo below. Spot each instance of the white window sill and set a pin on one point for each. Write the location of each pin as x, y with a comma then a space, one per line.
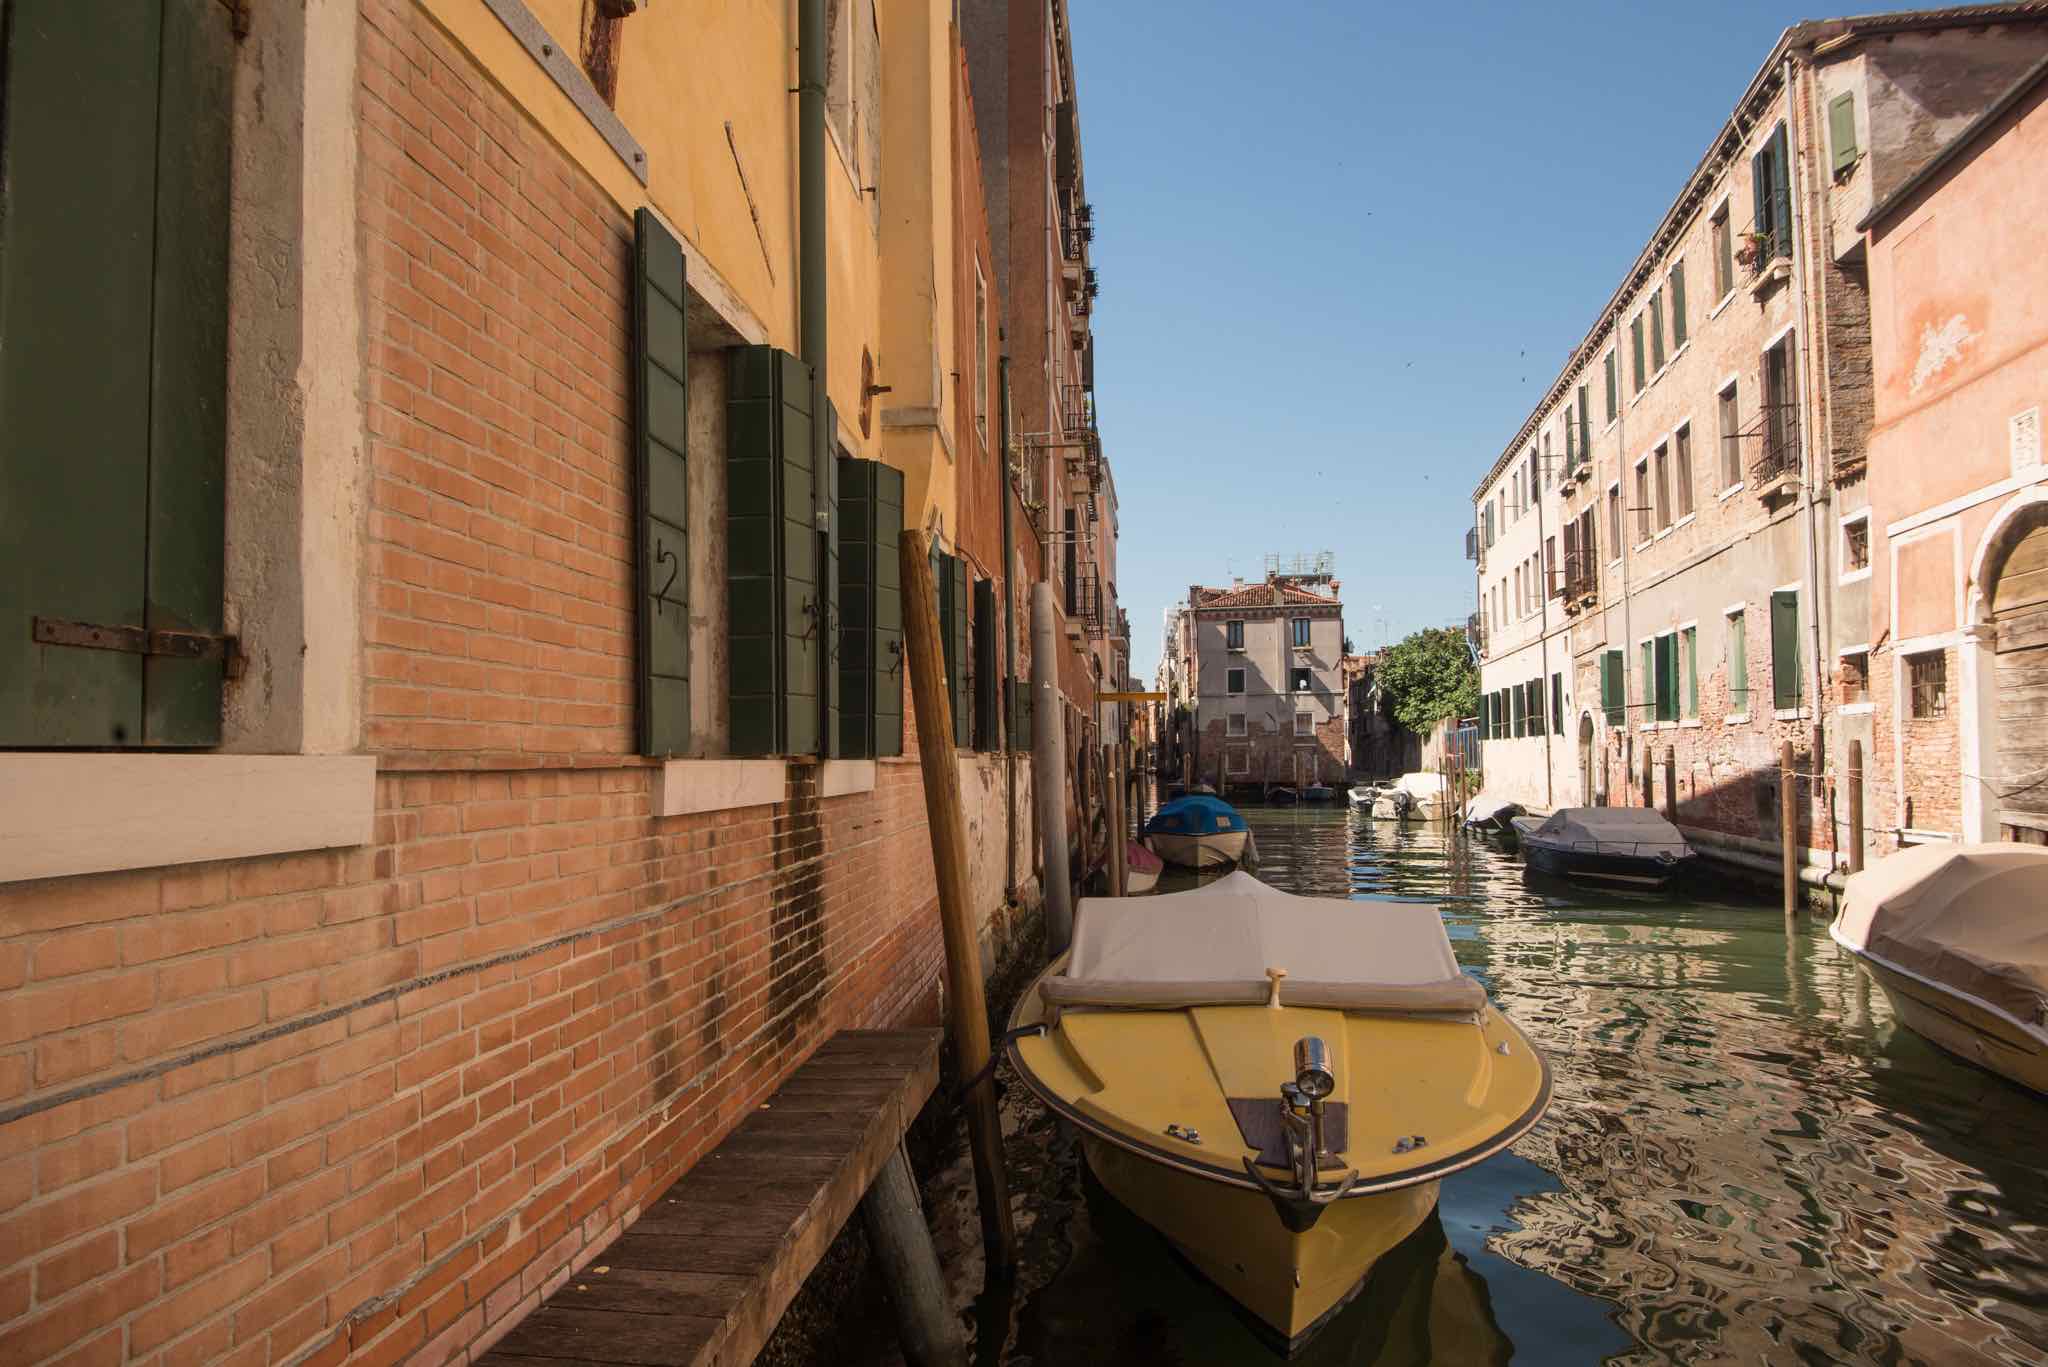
1789, 713
1852, 709
1715, 311
1856, 576
1735, 718
838, 777
1729, 492
66, 814
1644, 544
1689, 724
1683, 520
1661, 535
688, 786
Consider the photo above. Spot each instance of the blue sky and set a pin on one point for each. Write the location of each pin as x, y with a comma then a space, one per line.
1344, 247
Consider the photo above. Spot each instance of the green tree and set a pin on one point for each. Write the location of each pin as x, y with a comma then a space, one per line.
1430, 676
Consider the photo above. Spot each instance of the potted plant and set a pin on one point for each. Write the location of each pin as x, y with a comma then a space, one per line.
1752, 251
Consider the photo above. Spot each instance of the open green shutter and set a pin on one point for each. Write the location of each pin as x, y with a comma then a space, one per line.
1613, 384
1613, 688
1649, 675
1635, 332
1667, 677
953, 627
985, 696
1519, 702
1656, 330
1557, 704
1785, 648
774, 613
870, 673
113, 366
830, 743
1842, 132
1678, 323
661, 480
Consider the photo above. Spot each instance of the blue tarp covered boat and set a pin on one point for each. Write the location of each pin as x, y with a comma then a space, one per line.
1198, 832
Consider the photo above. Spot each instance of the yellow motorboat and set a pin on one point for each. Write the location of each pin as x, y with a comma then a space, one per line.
1275, 1083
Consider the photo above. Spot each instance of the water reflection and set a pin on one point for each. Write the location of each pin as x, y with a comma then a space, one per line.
1745, 1159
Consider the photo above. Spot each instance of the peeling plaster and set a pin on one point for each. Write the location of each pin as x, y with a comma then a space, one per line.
1940, 348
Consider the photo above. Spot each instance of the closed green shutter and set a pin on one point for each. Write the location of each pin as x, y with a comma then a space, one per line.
1649, 677
1519, 702
1613, 384
1635, 333
113, 366
954, 624
1678, 323
1738, 662
1667, 677
1019, 692
661, 483
1613, 688
1785, 648
831, 741
870, 672
1557, 704
1585, 425
1842, 131
1532, 705
985, 693
773, 610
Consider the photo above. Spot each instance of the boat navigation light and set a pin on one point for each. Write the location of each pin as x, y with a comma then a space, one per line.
1312, 1071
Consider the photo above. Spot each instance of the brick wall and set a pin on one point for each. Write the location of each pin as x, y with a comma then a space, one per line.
372, 1104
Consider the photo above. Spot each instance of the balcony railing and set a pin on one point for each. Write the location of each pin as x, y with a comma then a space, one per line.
1777, 429
1581, 580
1077, 228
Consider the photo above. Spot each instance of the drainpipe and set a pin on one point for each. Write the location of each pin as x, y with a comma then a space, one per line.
1808, 384
1009, 623
811, 294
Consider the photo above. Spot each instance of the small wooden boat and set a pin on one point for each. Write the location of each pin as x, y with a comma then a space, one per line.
1957, 936
1317, 792
1141, 869
1282, 796
1625, 846
1277, 1084
1198, 831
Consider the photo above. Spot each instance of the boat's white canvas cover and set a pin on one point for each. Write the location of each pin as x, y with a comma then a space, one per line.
1482, 809
1423, 787
1213, 945
1613, 830
1971, 919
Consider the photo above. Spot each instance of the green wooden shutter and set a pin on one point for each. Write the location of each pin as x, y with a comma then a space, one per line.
1678, 323
1738, 662
1689, 639
830, 741
1656, 330
1785, 648
870, 673
1635, 334
1557, 704
1019, 692
1649, 678
773, 610
1613, 688
1585, 424
1667, 677
954, 624
1613, 384
1842, 131
113, 366
985, 692
661, 479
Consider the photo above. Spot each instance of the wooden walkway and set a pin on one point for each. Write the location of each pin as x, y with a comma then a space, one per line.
702, 1277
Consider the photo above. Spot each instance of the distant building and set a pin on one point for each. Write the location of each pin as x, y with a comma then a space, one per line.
1255, 681
1375, 745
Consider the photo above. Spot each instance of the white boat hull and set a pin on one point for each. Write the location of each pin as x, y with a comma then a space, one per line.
1211, 851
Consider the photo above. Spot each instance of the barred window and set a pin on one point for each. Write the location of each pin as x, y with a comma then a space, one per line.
1927, 676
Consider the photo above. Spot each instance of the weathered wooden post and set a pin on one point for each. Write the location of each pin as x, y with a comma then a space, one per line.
1671, 784
930, 1333
1118, 852
966, 1007
1049, 769
1649, 776
1788, 826
1855, 806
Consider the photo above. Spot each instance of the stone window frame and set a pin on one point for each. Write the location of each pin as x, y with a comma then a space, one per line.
1861, 517
1737, 612
1868, 702
1934, 690
1237, 760
1301, 717
1236, 676
1723, 213
1730, 386
1234, 725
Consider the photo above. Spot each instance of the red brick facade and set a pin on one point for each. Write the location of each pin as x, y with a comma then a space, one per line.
372, 1104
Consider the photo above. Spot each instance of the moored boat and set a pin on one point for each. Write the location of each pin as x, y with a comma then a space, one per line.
1282, 796
1141, 868
1491, 816
1317, 792
1198, 831
1957, 937
1282, 1128
1625, 846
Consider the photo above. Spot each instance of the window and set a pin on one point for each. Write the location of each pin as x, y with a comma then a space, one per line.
1552, 585
1643, 506
1661, 464
1656, 331
1518, 700
1724, 253
1738, 661
1842, 133
1689, 662
1557, 704
1678, 320
1486, 523
1301, 633
1233, 681
1585, 427
1681, 444
1635, 338
1613, 688
1304, 723
1648, 674
1731, 438
1771, 191
1785, 650
1667, 691
1856, 545
853, 91
980, 354
1233, 635
986, 672
1237, 760
1233, 725
1614, 516
1855, 677
1533, 706
1927, 677
1780, 455
1613, 384
1300, 680
1571, 441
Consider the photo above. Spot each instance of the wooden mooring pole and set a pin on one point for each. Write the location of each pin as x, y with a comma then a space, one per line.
1649, 776
966, 1006
1788, 826
1671, 784
1855, 806
1119, 878
925, 1325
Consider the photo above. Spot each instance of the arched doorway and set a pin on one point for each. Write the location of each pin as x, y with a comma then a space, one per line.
2017, 593
1586, 759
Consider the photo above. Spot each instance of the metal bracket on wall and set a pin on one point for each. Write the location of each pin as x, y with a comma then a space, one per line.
182, 645
561, 66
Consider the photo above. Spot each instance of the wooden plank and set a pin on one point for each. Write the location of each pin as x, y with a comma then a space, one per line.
708, 1267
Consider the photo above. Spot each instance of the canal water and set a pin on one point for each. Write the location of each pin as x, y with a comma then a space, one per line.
1746, 1160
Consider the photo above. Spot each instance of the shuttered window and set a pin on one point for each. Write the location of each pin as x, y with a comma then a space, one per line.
1689, 651
1532, 693
661, 483
774, 603
113, 372
1557, 704
1678, 319
870, 609
1656, 331
1771, 191
1585, 426
1785, 649
1019, 693
1613, 385
949, 581
1842, 132
1517, 702
1613, 689
1649, 678
1738, 662
985, 693
1667, 677
1635, 337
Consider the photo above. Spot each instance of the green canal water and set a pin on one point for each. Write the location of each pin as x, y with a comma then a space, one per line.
1746, 1160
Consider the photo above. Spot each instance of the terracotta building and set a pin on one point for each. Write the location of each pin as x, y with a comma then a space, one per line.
456, 756
1957, 533
1673, 562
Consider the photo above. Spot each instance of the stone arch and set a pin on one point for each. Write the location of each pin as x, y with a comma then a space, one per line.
1996, 670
